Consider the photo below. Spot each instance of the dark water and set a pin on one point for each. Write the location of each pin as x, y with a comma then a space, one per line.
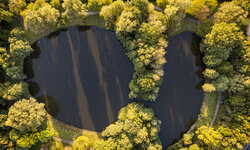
82, 74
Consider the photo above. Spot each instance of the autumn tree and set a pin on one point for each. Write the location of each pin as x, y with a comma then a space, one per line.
136, 128
230, 13
26, 115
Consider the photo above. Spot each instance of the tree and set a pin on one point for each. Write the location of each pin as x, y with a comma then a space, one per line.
14, 91
221, 83
128, 23
198, 7
75, 11
56, 4
225, 68
204, 27
187, 139
5, 15
208, 87
26, 140
175, 11
162, 3
15, 72
20, 49
230, 13
26, 115
218, 44
16, 6
142, 6
42, 19
112, 13
96, 5
209, 137
136, 128
81, 143
210, 73
236, 83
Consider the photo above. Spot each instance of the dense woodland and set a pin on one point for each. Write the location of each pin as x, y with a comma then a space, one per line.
143, 32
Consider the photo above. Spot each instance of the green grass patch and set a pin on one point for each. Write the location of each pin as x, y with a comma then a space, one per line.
67, 132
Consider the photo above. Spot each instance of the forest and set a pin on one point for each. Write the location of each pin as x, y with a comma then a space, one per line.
143, 27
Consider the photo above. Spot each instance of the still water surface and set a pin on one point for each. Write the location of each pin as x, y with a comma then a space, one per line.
82, 74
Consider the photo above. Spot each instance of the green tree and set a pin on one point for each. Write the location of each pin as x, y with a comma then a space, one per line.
230, 13
42, 19
75, 11
136, 128
204, 27
237, 83
112, 12
175, 11
81, 143
26, 140
220, 42
221, 83
142, 6
15, 72
128, 23
26, 115
225, 68
14, 91
20, 49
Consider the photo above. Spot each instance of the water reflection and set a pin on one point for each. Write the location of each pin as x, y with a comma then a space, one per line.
83, 75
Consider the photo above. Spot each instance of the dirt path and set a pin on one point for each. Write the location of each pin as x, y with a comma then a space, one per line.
63, 140
216, 110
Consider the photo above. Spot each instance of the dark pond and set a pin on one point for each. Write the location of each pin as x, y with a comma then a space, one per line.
82, 74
